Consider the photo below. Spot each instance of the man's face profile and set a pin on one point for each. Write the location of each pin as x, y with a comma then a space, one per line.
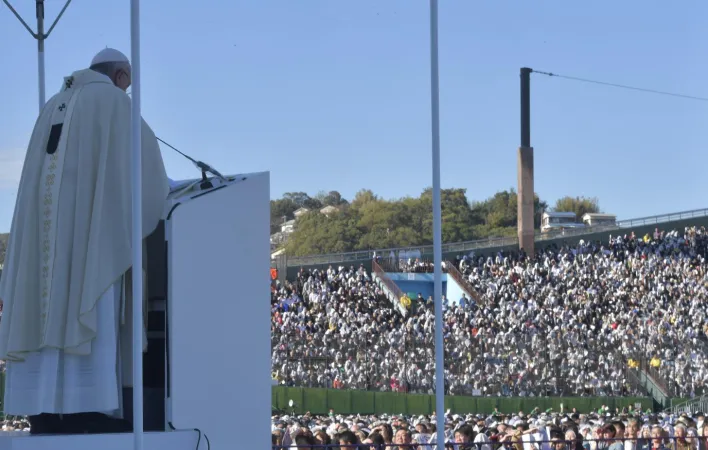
123, 78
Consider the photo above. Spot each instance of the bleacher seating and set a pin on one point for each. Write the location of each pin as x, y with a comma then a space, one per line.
565, 322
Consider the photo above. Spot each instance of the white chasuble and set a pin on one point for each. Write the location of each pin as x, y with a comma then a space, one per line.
63, 284
53, 381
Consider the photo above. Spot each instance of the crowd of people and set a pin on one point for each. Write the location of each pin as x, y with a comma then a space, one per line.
335, 328
601, 430
569, 321
631, 299
15, 424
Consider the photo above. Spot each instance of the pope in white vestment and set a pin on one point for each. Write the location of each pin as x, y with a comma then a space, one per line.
65, 285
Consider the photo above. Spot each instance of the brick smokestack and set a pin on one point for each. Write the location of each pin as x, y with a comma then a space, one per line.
525, 198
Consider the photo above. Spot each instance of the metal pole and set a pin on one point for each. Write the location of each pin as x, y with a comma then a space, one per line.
437, 228
40, 52
136, 136
525, 75
40, 36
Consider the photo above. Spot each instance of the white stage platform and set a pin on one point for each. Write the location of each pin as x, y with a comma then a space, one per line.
175, 440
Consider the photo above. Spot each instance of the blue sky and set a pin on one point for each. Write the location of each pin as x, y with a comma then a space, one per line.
334, 94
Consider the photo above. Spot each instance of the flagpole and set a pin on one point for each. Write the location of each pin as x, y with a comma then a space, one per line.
437, 228
40, 53
137, 234
40, 36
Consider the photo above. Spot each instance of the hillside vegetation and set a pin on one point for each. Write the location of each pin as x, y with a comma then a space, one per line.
3, 246
370, 222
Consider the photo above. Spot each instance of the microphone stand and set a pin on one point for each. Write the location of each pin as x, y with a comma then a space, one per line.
202, 166
205, 184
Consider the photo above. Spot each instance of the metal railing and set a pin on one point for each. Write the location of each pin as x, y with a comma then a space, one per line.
631, 374
497, 241
692, 406
388, 282
622, 224
635, 381
462, 281
362, 255
656, 377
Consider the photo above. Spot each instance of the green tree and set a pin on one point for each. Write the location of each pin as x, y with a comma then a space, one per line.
317, 233
370, 222
302, 200
331, 198
458, 219
3, 246
298, 198
499, 212
579, 205
281, 210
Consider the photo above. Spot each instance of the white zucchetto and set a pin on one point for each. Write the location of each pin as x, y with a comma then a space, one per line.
109, 55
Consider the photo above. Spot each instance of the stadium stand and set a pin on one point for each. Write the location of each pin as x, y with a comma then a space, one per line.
578, 320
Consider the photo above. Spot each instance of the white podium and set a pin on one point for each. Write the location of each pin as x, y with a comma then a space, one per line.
207, 370
218, 308
218, 256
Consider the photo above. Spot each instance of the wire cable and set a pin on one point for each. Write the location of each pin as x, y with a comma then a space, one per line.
622, 86
199, 435
175, 149
205, 168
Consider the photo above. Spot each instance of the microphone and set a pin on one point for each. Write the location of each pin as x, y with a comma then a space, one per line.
204, 167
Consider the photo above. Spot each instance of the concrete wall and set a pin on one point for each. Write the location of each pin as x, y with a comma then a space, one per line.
454, 291
417, 283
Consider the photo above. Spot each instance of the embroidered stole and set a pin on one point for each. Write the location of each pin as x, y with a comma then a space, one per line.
51, 177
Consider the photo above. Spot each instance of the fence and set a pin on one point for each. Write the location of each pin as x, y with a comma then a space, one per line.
321, 401
499, 241
662, 378
690, 406
362, 255
631, 374
666, 386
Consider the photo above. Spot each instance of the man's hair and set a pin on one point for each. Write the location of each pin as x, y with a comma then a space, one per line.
609, 428
108, 68
304, 440
619, 426
348, 437
386, 431
377, 439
